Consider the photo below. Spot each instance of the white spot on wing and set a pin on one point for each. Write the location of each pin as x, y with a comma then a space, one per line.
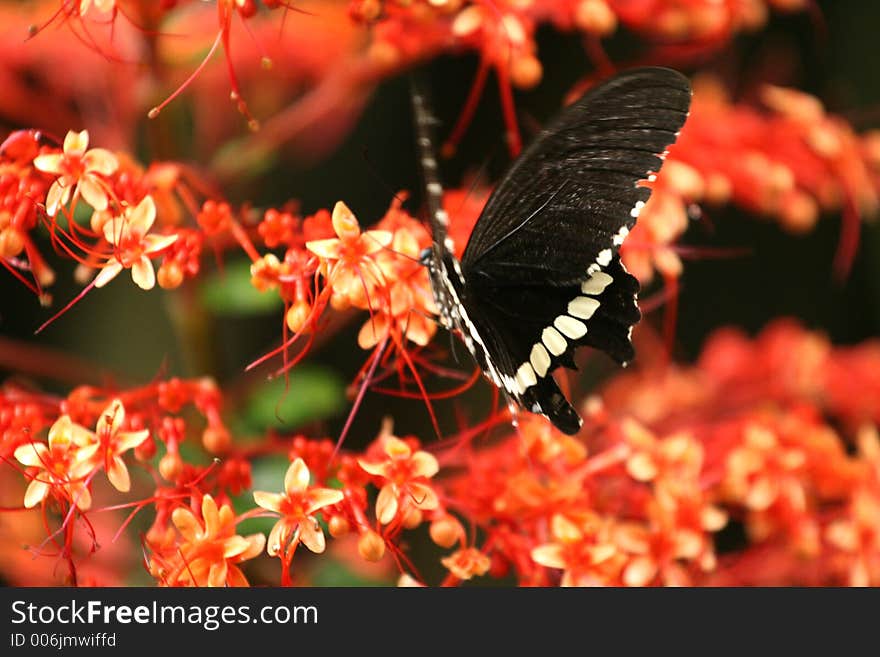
570, 326
637, 210
525, 377
604, 258
539, 359
621, 235
596, 284
583, 307
554, 340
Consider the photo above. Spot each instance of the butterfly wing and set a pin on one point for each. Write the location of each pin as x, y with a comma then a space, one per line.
541, 271
567, 197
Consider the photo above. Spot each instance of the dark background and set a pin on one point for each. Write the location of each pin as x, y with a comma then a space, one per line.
136, 336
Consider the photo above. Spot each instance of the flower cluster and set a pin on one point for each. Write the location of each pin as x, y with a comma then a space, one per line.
669, 459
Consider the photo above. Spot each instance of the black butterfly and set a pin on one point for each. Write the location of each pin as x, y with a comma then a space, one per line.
541, 274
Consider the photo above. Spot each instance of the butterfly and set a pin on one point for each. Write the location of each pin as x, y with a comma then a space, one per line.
541, 274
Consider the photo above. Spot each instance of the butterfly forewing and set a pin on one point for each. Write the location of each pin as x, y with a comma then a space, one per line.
575, 187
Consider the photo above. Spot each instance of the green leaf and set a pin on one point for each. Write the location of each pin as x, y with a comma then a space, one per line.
229, 292
313, 394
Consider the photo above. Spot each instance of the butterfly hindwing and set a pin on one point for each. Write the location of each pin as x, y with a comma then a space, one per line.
528, 331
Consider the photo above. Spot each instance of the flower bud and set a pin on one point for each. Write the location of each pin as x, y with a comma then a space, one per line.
446, 531
371, 546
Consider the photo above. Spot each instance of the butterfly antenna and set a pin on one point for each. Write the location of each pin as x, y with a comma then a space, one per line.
424, 125
374, 171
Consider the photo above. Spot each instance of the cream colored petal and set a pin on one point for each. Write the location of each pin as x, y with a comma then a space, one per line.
127, 440
321, 497
32, 454
329, 249
564, 529
81, 436
376, 469
761, 494
345, 224
76, 143
87, 453
100, 160
641, 466
278, 537
187, 523
117, 473
217, 574
211, 516
424, 465
36, 492
423, 497
57, 196
155, 243
81, 496
80, 468
234, 546
713, 518
376, 240
549, 555
373, 331
311, 535
108, 272
387, 504
60, 433
49, 163
142, 216
111, 418
397, 448
843, 534
92, 192
114, 229
640, 571
269, 501
143, 274
256, 543
296, 479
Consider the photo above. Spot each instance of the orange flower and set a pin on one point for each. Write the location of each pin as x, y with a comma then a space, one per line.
676, 460
210, 549
79, 172
762, 471
676, 533
109, 443
348, 263
410, 303
297, 506
406, 474
60, 464
583, 549
467, 563
134, 247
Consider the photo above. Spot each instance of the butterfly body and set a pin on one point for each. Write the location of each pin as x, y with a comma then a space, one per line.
541, 274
